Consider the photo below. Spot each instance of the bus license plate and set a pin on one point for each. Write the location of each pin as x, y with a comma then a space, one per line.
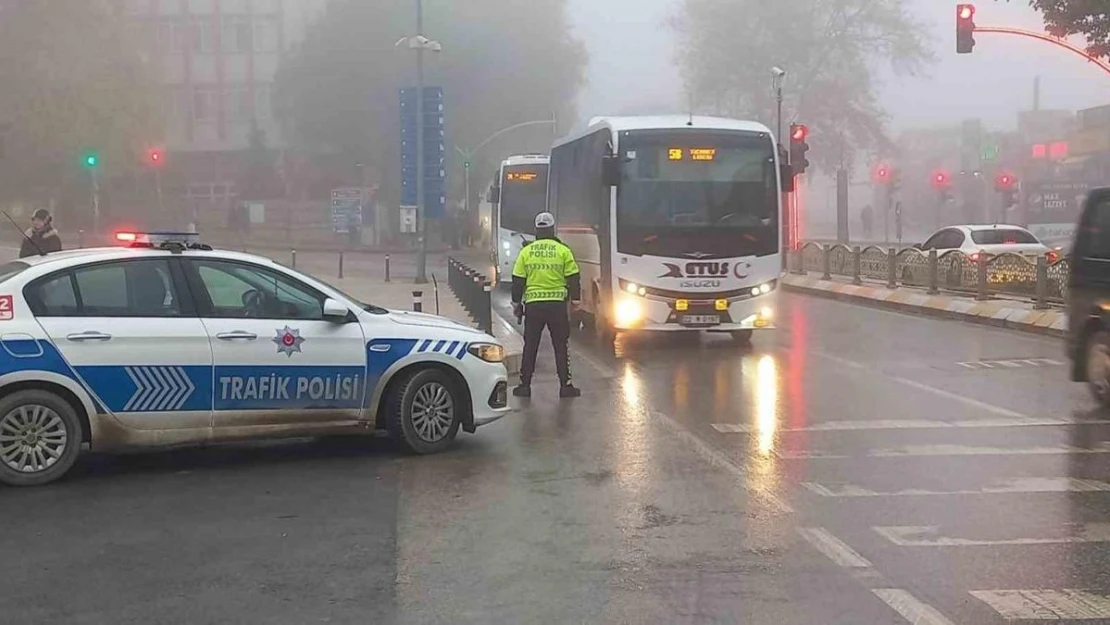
701, 320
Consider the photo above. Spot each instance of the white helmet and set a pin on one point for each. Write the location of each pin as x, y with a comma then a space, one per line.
545, 220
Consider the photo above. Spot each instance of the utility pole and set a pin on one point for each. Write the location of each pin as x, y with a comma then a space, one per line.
778, 76
95, 200
421, 209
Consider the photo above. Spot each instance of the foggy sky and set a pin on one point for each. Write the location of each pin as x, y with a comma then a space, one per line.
632, 70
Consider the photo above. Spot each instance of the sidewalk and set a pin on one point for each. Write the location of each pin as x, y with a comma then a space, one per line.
1008, 313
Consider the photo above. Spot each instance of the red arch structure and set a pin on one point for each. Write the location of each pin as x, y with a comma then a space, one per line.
1005, 30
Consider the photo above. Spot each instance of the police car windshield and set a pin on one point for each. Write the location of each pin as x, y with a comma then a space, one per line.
9, 270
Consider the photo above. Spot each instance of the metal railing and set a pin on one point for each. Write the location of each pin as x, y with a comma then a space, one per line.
983, 275
473, 290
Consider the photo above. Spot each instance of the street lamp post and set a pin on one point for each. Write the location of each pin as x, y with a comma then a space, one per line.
420, 43
469, 154
777, 76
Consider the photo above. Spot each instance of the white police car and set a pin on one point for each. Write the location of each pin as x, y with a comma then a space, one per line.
167, 342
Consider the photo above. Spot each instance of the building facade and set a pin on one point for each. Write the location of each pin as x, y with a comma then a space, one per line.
218, 60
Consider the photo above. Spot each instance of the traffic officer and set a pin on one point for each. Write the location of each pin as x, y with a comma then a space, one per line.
545, 277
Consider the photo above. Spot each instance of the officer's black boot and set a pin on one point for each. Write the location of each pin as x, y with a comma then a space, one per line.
569, 390
524, 390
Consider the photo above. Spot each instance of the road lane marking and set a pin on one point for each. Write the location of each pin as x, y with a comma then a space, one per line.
912, 424
930, 536
719, 459
911, 608
1015, 363
975, 403
944, 450
1008, 486
1046, 605
834, 548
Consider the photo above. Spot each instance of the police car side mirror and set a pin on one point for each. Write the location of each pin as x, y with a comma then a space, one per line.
611, 171
334, 310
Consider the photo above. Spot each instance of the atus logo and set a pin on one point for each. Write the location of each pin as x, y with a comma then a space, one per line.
711, 269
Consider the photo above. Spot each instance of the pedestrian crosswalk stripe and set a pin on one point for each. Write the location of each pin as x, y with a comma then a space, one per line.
1015, 485
911, 608
1046, 605
833, 547
912, 424
1016, 363
944, 450
930, 536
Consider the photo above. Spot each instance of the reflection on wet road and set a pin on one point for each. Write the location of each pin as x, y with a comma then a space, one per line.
853, 466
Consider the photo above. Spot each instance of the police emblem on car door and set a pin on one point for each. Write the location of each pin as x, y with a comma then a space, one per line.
278, 360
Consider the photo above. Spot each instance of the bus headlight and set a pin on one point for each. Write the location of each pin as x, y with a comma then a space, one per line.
628, 312
763, 289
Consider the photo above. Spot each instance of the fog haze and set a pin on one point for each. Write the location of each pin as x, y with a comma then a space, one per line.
632, 66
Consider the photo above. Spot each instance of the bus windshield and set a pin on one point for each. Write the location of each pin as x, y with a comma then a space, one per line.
712, 193
523, 196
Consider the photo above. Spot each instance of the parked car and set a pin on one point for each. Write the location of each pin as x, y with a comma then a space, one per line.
976, 240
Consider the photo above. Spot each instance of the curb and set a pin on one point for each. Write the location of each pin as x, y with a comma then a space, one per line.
991, 313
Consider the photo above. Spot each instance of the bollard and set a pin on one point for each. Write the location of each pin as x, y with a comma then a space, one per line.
435, 291
1042, 284
485, 321
418, 301
293, 258
387, 268
933, 271
826, 262
891, 268
799, 261
981, 268
80, 239
340, 264
857, 261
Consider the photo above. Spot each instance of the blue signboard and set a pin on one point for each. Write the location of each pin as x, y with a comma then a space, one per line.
435, 152
346, 209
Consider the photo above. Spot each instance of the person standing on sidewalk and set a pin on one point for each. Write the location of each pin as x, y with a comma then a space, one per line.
41, 237
545, 277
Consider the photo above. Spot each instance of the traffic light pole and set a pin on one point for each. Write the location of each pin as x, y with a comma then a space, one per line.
95, 200
421, 210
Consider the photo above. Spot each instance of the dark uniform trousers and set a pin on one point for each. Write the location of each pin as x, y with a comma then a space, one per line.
554, 317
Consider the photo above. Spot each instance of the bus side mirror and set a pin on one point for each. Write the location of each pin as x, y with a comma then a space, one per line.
494, 195
786, 173
611, 171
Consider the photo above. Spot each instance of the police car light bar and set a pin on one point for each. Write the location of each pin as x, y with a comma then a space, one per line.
159, 239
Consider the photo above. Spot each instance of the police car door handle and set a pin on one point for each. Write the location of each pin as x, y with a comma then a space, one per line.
91, 335
237, 335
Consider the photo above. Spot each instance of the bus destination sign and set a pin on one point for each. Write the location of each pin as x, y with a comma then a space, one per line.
695, 154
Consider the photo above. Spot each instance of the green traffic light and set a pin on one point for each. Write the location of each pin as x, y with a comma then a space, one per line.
92, 160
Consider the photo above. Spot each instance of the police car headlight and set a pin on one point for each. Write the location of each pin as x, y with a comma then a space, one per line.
488, 352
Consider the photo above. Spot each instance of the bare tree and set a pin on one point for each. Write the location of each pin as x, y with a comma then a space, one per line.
831, 49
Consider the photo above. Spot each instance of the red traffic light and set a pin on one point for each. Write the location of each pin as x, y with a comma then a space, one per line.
965, 28
941, 179
155, 156
882, 174
799, 133
1004, 181
965, 11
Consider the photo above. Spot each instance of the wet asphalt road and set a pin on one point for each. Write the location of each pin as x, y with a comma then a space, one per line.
854, 466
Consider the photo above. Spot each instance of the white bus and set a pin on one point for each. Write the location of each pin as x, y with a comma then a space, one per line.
518, 194
675, 222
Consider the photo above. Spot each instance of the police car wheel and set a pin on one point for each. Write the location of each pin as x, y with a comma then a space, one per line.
425, 412
40, 437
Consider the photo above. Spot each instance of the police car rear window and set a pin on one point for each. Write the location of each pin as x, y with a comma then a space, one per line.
12, 269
